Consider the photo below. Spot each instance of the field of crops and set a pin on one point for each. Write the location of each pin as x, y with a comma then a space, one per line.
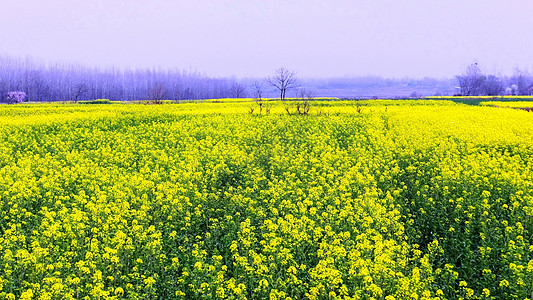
511, 104
371, 199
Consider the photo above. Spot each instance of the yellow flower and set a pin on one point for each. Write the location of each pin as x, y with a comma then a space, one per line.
504, 283
119, 291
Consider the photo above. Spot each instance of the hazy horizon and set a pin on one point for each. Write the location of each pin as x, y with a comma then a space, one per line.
318, 39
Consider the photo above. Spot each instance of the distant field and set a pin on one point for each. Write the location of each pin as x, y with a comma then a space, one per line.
483, 97
375, 199
511, 104
477, 100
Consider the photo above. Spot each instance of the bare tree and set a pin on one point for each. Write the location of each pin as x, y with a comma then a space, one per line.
237, 90
283, 80
176, 90
305, 96
79, 90
39, 88
157, 91
522, 80
472, 81
257, 90
493, 86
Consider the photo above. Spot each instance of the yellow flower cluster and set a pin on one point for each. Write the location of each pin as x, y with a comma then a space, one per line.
381, 199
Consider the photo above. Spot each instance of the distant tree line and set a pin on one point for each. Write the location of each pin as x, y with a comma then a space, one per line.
69, 82
31, 80
474, 83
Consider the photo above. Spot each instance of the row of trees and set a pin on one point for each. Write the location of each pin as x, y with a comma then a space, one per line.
474, 83
62, 82
34, 81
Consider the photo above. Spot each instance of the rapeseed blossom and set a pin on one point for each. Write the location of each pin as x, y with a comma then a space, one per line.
377, 199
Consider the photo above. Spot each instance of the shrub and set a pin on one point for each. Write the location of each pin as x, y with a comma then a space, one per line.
96, 101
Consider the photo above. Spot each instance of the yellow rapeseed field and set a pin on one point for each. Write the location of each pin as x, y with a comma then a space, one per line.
381, 199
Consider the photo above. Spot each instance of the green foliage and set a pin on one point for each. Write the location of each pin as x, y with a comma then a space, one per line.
96, 101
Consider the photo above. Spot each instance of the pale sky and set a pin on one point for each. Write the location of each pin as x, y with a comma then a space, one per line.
391, 38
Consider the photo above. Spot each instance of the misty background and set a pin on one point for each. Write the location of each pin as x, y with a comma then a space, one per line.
130, 49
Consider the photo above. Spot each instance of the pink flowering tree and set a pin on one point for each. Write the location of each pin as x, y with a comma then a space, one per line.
16, 96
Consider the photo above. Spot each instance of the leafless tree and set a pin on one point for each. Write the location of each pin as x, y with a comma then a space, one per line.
305, 96
176, 90
79, 90
257, 90
39, 88
493, 86
237, 90
283, 80
471, 82
157, 92
522, 80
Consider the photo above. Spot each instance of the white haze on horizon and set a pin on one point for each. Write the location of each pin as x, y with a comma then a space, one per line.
247, 38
